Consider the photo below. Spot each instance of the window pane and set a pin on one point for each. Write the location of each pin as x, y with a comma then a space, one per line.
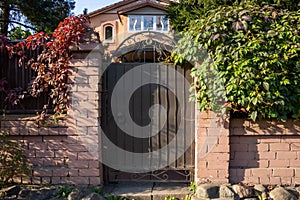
148, 23
159, 23
108, 33
165, 23
135, 23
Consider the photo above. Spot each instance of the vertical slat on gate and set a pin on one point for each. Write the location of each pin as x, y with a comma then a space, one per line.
120, 70
172, 117
156, 156
180, 117
112, 127
163, 112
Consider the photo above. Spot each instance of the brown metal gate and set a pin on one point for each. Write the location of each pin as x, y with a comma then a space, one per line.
143, 98
140, 105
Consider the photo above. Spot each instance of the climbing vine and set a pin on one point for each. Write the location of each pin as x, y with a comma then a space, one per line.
52, 64
247, 59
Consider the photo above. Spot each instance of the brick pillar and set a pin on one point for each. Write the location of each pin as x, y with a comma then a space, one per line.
212, 147
84, 143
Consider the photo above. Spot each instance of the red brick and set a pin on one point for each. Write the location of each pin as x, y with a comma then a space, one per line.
248, 140
54, 138
266, 155
223, 173
95, 181
275, 180
239, 163
261, 172
61, 172
60, 154
262, 147
89, 172
44, 154
214, 131
264, 180
252, 179
72, 155
295, 146
94, 164
56, 146
204, 123
217, 164
71, 139
269, 140
55, 180
207, 173
238, 147
279, 147
245, 155
38, 145
78, 164
286, 155
53, 162
283, 172
42, 172
222, 148
290, 140
279, 163
224, 139
76, 148
73, 172
79, 180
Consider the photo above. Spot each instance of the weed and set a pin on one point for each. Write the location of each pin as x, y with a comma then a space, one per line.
64, 191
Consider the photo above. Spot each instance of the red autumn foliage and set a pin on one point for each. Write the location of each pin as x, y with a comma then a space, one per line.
52, 64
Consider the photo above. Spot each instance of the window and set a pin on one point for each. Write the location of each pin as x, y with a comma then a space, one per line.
148, 22
135, 23
109, 33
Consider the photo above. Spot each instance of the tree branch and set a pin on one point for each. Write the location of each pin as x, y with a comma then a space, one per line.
19, 23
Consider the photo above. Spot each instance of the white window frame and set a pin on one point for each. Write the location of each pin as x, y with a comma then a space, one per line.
112, 39
142, 23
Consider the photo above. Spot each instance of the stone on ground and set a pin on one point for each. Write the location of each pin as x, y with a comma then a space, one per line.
242, 191
280, 193
207, 191
226, 192
260, 190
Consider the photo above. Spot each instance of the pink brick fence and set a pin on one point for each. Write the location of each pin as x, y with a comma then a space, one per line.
265, 152
227, 150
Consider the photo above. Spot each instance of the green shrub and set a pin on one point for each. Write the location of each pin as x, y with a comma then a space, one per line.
250, 60
13, 162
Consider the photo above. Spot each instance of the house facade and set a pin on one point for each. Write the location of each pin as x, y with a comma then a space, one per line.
118, 21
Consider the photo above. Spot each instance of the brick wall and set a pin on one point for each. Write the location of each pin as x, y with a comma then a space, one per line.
265, 152
212, 147
67, 152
